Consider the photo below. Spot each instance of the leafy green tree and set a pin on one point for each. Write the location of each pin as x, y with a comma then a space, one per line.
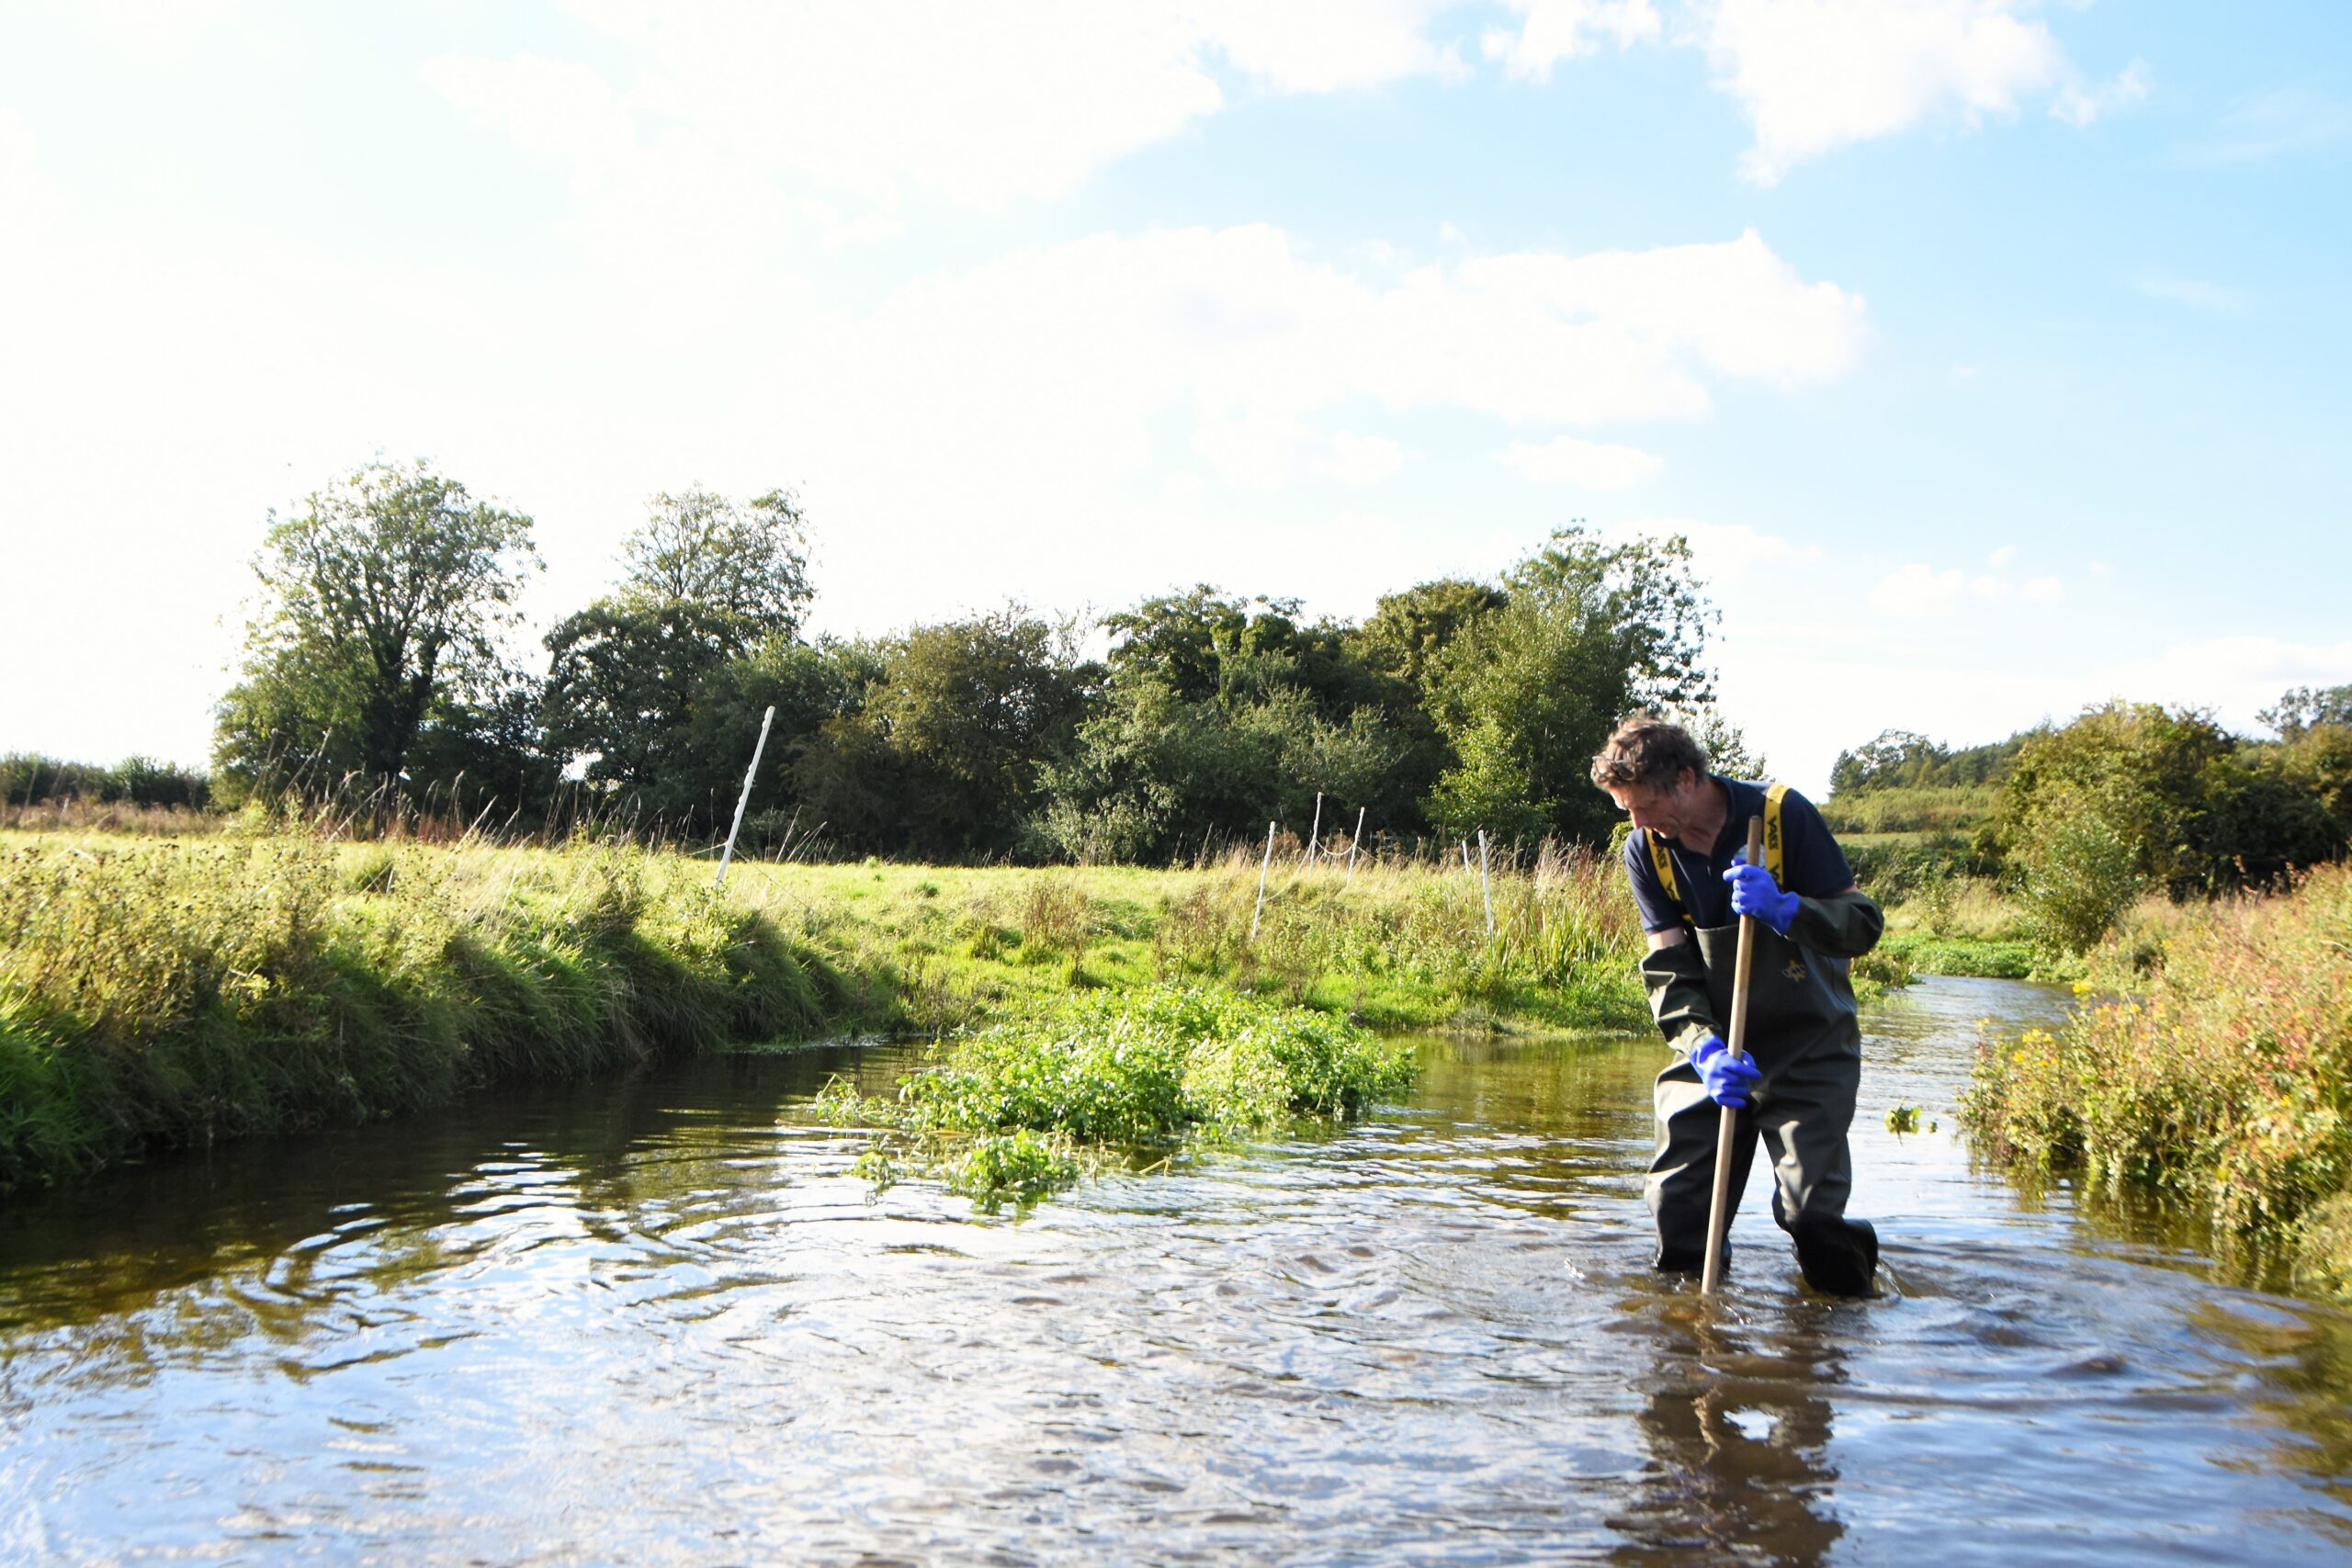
1409, 632
2306, 708
1729, 751
2143, 774
1527, 693
1221, 711
705, 582
947, 753
1156, 777
382, 602
744, 568
810, 684
1898, 757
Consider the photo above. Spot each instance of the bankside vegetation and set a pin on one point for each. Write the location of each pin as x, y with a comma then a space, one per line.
2224, 1077
158, 993
2071, 827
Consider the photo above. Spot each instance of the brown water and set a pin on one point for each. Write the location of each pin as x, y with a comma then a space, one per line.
657, 1322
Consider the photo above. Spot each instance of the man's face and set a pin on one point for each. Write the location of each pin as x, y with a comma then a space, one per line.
1666, 812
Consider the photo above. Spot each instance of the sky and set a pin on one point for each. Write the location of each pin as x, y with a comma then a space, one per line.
1990, 352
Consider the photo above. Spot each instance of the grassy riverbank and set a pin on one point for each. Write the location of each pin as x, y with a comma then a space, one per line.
161, 993
2226, 1076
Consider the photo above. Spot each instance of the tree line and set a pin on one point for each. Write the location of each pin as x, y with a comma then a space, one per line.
2082, 818
379, 661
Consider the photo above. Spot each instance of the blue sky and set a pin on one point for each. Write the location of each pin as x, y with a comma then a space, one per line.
1991, 352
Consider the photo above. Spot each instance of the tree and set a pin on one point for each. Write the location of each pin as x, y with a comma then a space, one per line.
622, 683
381, 601
1726, 745
1527, 693
948, 751
744, 568
705, 582
1896, 757
1409, 632
2120, 799
2306, 708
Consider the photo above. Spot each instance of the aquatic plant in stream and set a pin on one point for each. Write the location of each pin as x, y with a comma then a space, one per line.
1020, 1110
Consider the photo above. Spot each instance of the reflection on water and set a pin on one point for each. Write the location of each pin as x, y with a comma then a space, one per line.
658, 1322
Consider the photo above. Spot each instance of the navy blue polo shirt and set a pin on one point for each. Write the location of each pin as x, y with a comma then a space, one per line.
1812, 865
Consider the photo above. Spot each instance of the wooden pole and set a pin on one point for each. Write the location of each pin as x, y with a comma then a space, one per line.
1354, 840
1711, 1277
1262, 865
1486, 893
744, 800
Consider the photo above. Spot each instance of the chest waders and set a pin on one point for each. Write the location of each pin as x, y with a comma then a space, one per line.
1803, 1036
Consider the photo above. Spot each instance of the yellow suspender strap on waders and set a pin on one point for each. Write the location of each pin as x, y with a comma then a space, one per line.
1774, 857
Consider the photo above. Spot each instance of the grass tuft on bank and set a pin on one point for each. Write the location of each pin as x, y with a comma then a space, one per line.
184, 994
1016, 1110
2226, 1078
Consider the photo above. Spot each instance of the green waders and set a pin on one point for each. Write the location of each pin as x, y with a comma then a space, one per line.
1803, 1036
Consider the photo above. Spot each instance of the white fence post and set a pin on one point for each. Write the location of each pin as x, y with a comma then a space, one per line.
1485, 892
1354, 840
743, 800
1262, 865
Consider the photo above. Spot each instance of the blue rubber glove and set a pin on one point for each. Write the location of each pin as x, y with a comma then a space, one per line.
1728, 1077
1753, 892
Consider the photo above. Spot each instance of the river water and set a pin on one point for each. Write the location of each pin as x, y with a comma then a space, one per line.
657, 1322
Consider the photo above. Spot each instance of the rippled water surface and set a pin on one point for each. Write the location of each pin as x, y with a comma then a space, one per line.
657, 1322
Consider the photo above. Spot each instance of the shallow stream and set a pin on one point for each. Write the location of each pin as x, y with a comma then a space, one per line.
657, 1322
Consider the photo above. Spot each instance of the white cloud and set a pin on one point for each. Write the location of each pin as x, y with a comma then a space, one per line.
25, 195
552, 108
2079, 103
1351, 459
2215, 298
1554, 31
983, 105
1591, 465
1815, 76
1724, 553
1919, 591
2234, 676
1077, 347
1034, 397
2274, 124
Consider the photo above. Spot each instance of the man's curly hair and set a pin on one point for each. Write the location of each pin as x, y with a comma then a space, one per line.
1649, 751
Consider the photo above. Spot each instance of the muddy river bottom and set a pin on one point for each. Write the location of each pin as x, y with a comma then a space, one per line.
658, 1322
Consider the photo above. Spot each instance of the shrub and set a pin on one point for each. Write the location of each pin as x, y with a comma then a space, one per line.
2229, 1081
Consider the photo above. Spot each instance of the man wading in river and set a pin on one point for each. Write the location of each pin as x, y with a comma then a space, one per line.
1797, 1091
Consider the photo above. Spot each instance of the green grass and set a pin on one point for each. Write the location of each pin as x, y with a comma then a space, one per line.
2226, 1078
159, 992
181, 994
1924, 954
1921, 810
